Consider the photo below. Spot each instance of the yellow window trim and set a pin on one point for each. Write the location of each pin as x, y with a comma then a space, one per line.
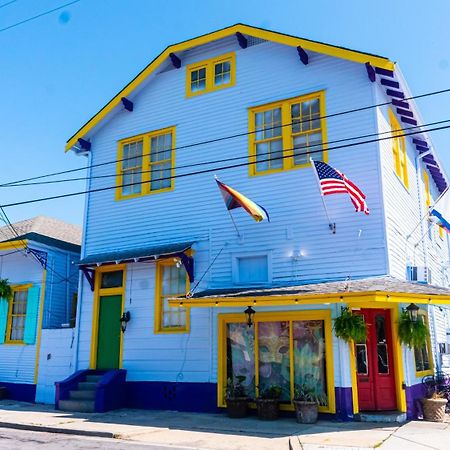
98, 292
426, 183
430, 371
209, 66
399, 149
158, 321
146, 164
286, 133
15, 288
290, 316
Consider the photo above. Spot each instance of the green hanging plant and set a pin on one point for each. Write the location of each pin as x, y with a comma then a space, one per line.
350, 327
412, 334
5, 289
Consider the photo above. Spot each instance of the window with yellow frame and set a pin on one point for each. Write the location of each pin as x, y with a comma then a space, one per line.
211, 75
399, 149
146, 164
423, 355
17, 312
171, 281
287, 349
286, 134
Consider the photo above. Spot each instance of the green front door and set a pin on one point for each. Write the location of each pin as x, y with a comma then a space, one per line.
108, 347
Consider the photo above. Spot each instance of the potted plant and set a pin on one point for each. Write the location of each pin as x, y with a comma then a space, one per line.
5, 289
236, 398
306, 402
267, 403
412, 333
434, 407
350, 327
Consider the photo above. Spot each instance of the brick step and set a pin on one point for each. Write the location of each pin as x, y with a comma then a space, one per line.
82, 395
87, 406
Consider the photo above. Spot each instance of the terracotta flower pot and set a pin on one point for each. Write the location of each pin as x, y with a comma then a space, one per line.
306, 412
434, 409
267, 408
237, 407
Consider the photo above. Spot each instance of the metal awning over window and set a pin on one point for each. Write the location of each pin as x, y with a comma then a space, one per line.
152, 253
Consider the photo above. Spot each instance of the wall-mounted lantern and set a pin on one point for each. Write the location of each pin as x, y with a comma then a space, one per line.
413, 312
249, 312
126, 316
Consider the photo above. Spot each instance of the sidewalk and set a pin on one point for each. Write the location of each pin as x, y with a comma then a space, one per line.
218, 432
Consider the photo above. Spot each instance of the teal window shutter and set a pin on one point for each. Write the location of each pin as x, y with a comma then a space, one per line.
31, 319
4, 304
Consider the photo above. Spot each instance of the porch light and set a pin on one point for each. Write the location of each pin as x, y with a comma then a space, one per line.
126, 316
249, 312
413, 312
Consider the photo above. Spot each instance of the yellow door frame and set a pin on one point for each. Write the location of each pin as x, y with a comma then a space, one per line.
317, 314
397, 356
98, 293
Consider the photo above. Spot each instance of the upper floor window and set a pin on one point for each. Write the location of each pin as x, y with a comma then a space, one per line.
399, 149
16, 316
210, 75
146, 164
171, 281
285, 135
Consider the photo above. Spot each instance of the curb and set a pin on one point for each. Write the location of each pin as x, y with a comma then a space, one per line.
45, 429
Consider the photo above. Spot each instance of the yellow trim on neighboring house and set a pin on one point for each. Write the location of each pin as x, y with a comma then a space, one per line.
399, 149
159, 309
280, 38
430, 371
98, 293
41, 316
144, 171
13, 245
320, 314
426, 185
287, 135
15, 288
209, 65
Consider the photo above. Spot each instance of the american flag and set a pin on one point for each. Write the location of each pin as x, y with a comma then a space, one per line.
331, 181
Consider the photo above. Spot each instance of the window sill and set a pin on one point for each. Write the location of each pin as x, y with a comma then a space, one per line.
424, 373
172, 331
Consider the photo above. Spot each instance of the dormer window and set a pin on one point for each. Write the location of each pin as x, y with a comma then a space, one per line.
211, 75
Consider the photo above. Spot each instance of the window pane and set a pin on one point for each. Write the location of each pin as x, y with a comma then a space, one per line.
241, 355
112, 279
132, 168
173, 284
362, 367
161, 176
274, 357
309, 356
198, 80
222, 73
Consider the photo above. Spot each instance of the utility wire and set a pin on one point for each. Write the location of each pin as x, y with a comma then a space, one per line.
72, 194
234, 158
211, 141
6, 4
37, 16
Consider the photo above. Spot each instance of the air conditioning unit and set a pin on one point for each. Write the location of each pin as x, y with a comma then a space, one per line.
419, 274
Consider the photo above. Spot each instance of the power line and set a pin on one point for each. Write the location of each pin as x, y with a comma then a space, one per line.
235, 158
211, 141
6, 4
72, 194
37, 16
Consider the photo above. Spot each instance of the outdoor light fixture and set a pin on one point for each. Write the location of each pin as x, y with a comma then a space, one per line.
124, 320
413, 312
249, 312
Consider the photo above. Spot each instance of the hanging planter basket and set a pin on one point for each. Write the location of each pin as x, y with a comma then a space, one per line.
350, 327
410, 333
5, 289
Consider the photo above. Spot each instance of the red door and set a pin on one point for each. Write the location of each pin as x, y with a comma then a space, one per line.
374, 363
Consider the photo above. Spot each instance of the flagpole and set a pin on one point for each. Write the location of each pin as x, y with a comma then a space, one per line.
331, 224
234, 223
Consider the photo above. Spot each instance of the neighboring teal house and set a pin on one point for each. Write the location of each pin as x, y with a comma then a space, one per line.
253, 106
39, 258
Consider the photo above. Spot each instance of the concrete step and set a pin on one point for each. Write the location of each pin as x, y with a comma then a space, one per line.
77, 405
381, 416
87, 386
82, 395
93, 378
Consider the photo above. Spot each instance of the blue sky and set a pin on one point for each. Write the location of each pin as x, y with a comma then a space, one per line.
57, 71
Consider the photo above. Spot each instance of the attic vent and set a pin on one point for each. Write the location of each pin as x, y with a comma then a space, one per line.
254, 41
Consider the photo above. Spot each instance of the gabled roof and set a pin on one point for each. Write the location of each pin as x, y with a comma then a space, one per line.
45, 230
245, 30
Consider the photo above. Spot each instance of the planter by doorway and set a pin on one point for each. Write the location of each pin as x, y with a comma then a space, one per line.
267, 408
434, 409
306, 412
237, 408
